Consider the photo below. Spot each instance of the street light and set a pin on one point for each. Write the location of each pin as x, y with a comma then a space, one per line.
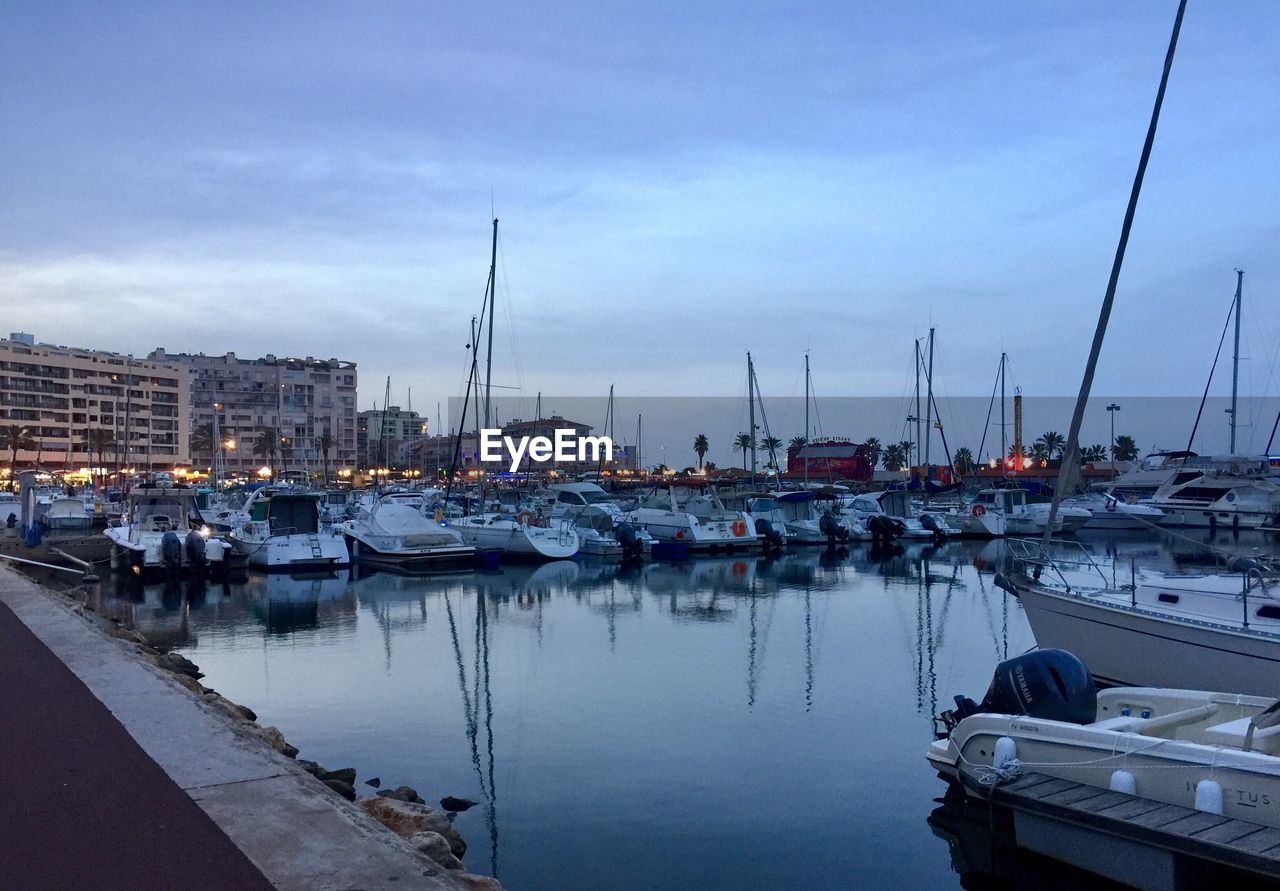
1111, 412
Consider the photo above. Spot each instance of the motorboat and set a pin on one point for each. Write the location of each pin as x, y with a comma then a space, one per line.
690, 515
396, 534
997, 512
1110, 513
162, 530
1214, 631
516, 535
603, 531
10, 509
895, 504
281, 531
1212, 499
570, 499
764, 511
336, 505
806, 522
1209, 751
68, 512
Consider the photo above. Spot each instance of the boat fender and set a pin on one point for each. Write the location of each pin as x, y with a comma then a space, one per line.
739, 528
1006, 753
1209, 797
1123, 781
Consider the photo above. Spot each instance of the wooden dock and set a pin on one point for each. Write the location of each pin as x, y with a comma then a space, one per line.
1144, 843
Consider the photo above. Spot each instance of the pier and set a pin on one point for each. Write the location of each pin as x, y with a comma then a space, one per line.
1144, 843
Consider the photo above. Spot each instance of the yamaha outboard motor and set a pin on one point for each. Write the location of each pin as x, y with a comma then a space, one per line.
171, 551
831, 528
884, 529
626, 535
772, 537
930, 522
195, 550
1049, 684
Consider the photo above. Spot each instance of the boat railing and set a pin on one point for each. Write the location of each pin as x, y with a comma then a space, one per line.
1034, 552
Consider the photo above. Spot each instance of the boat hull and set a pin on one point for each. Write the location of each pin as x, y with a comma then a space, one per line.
293, 553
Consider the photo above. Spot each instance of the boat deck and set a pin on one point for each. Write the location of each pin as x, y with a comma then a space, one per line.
1145, 843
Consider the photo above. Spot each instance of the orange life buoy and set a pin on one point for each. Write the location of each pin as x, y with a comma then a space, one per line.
525, 518
979, 510
739, 528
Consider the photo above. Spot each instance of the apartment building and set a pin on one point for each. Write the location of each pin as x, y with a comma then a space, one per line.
399, 427
70, 398
299, 400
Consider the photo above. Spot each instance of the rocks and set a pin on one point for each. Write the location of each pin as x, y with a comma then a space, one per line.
129, 634
274, 738
190, 683
402, 793
478, 883
310, 767
248, 713
179, 665
344, 774
406, 818
225, 705
457, 805
375, 782
435, 846
343, 789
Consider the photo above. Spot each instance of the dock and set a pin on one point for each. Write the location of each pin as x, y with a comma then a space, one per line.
1140, 842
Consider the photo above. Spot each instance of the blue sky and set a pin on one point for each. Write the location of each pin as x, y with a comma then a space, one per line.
676, 185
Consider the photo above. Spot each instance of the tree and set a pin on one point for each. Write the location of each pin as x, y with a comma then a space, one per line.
700, 447
202, 438
100, 441
268, 446
325, 444
907, 448
963, 461
894, 456
743, 442
1094, 453
13, 439
874, 451
1125, 449
709, 466
797, 443
1050, 446
771, 445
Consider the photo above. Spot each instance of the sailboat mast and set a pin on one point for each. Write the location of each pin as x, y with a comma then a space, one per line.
639, 442
475, 377
1004, 448
1235, 359
751, 403
928, 406
806, 415
917, 415
493, 297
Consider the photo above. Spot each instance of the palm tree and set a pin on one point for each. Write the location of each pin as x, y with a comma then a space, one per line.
325, 444
1050, 446
700, 447
894, 456
1094, 453
771, 445
1125, 449
743, 442
797, 443
907, 448
202, 438
963, 461
268, 446
100, 440
874, 451
15, 438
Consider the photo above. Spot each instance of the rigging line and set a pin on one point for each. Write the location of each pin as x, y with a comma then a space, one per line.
990, 405
1223, 339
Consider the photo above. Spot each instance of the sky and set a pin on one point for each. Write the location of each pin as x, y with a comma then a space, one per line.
677, 184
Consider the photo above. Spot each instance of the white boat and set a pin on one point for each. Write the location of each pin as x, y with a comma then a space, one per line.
1108, 513
896, 505
1202, 750
396, 534
516, 536
1217, 631
162, 530
997, 512
688, 514
1213, 499
764, 513
281, 531
10, 509
804, 520
336, 505
68, 512
570, 499
603, 531
984, 517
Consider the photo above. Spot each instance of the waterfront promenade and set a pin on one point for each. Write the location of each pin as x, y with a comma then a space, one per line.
117, 777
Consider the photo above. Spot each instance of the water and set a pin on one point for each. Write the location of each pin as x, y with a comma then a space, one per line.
722, 722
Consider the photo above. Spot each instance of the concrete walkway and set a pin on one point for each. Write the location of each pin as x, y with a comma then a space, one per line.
115, 776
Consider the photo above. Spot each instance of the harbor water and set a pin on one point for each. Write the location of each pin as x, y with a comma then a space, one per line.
726, 722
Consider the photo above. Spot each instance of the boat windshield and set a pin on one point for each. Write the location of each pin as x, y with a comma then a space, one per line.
595, 497
158, 514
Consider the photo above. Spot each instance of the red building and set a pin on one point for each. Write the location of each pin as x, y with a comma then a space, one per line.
830, 458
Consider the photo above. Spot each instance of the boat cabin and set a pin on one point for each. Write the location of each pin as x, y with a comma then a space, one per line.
288, 514
1005, 501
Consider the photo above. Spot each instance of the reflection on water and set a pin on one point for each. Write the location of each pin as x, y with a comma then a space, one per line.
728, 722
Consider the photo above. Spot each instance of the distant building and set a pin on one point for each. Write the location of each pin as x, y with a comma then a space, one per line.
830, 458
433, 455
544, 427
300, 399
69, 396
398, 427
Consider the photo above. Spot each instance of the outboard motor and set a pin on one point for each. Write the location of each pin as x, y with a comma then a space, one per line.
933, 524
171, 551
626, 535
194, 548
772, 537
831, 528
1049, 684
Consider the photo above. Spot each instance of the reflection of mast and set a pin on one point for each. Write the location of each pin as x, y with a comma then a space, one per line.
808, 653
491, 811
751, 656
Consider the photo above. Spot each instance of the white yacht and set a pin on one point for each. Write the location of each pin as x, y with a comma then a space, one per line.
515, 535
997, 512
1183, 747
394, 533
603, 531
161, 530
764, 511
68, 512
1108, 513
1217, 631
1211, 499
896, 505
690, 516
570, 499
281, 531
805, 523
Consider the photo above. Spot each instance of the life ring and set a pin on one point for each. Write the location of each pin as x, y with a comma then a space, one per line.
979, 510
739, 528
525, 518
1132, 499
